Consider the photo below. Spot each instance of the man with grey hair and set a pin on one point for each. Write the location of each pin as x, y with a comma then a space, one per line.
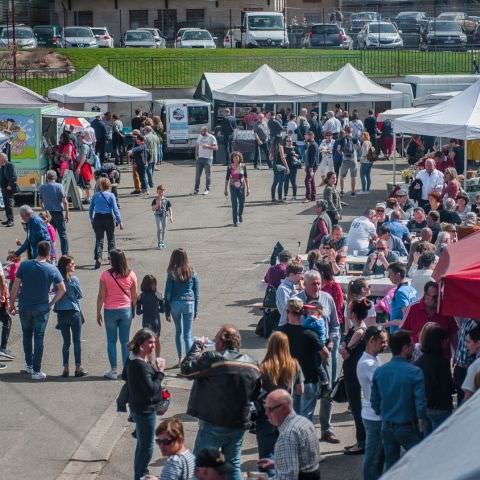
36, 231
54, 199
151, 145
321, 226
449, 214
332, 124
313, 292
8, 186
297, 454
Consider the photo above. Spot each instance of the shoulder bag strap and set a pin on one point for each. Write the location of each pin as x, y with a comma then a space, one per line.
120, 287
107, 200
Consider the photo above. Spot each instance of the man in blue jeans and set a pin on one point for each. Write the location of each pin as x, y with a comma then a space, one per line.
225, 383
36, 278
398, 397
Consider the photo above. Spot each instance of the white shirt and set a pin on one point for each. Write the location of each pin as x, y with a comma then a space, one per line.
366, 367
203, 152
430, 182
419, 279
469, 382
332, 125
359, 235
1, 270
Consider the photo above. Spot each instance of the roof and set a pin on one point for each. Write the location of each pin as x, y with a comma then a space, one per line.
13, 95
98, 85
263, 85
458, 117
350, 85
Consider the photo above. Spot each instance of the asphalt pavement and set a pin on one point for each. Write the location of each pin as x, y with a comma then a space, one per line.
68, 428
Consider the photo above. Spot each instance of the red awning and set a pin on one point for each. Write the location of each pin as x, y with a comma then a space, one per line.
458, 273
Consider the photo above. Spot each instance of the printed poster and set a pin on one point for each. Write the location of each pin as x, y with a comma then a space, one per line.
178, 120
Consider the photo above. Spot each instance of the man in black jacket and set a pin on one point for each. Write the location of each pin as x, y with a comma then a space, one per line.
225, 383
8, 185
311, 165
227, 127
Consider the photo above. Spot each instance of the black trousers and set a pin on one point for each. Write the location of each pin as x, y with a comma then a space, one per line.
354, 395
6, 322
459, 374
103, 223
8, 201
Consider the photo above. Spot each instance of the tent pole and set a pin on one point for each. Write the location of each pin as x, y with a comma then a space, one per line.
394, 165
465, 163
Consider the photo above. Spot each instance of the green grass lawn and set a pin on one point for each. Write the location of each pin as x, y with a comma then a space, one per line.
151, 68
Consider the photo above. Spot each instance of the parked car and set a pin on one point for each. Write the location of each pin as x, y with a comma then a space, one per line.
467, 23
324, 35
180, 32
443, 35
229, 38
358, 20
24, 38
197, 38
79, 37
158, 36
411, 22
347, 43
379, 35
103, 38
138, 39
50, 36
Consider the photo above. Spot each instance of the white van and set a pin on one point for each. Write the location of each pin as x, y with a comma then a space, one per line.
262, 29
182, 119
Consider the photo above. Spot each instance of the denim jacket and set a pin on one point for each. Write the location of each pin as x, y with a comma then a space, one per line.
181, 291
71, 299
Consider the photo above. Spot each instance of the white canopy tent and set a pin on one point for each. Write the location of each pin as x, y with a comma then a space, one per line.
264, 85
395, 113
447, 453
458, 117
350, 85
98, 86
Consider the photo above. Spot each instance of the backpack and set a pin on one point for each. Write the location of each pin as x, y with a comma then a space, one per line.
372, 154
270, 298
267, 323
348, 148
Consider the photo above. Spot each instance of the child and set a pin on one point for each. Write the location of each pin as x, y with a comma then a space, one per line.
161, 208
150, 304
46, 217
5, 319
11, 269
313, 320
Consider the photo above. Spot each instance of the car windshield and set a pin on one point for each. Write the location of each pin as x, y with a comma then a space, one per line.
267, 22
78, 32
325, 30
43, 30
449, 16
99, 31
196, 35
364, 16
150, 30
445, 27
382, 28
408, 15
19, 33
136, 36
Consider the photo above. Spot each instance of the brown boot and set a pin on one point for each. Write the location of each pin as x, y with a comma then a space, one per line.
329, 437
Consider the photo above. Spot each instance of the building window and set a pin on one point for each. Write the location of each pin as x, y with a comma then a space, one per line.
138, 18
85, 18
196, 17
167, 22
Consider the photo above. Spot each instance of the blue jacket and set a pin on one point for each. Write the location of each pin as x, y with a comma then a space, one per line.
181, 291
36, 232
398, 229
398, 392
104, 202
71, 299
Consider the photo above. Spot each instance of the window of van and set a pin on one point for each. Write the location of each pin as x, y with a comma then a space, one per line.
198, 115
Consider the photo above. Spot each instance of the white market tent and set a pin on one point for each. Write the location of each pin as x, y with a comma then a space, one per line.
264, 85
13, 95
350, 85
395, 113
305, 78
98, 86
448, 453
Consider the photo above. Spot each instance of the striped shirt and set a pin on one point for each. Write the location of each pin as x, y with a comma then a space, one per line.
179, 467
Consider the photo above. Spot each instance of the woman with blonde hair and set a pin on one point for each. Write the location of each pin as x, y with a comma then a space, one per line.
181, 298
452, 186
278, 370
365, 163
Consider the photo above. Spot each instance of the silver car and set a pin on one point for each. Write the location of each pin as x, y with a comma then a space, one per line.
197, 38
379, 35
79, 37
103, 38
138, 39
157, 36
24, 38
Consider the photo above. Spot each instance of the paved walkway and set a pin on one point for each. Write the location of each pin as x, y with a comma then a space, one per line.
45, 425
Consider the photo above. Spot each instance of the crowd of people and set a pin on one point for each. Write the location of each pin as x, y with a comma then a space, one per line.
319, 330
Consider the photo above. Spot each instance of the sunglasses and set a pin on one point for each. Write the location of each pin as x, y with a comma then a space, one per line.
164, 441
380, 210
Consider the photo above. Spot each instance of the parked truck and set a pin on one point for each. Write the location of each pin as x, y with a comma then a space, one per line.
261, 29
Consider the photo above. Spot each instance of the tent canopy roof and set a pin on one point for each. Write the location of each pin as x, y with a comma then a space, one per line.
13, 95
350, 85
263, 85
395, 113
98, 86
458, 272
458, 117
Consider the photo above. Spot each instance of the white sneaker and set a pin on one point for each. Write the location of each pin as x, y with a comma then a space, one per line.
28, 370
206, 192
111, 375
39, 376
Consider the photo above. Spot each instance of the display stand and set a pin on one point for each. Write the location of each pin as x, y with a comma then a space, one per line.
71, 189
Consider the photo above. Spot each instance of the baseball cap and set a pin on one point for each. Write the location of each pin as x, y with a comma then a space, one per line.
313, 305
213, 458
295, 305
380, 205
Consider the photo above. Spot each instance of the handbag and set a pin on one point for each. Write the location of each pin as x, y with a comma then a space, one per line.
339, 392
132, 306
